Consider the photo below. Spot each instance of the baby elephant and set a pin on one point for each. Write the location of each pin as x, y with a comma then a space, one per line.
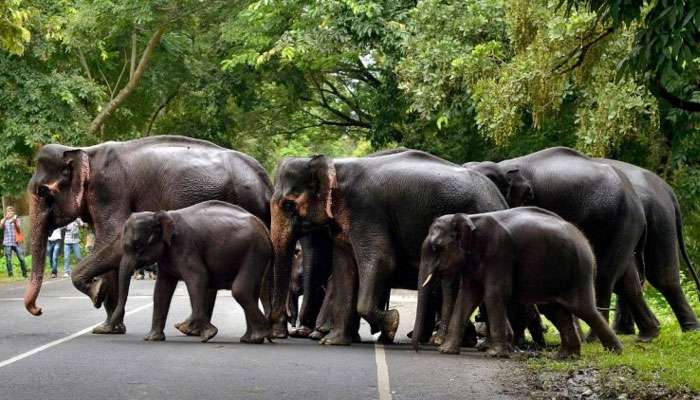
526, 255
211, 245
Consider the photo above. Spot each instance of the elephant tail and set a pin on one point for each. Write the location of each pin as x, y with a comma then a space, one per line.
681, 242
639, 255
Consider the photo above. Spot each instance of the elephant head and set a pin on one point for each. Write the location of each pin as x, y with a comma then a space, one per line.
446, 249
56, 197
511, 182
144, 239
302, 201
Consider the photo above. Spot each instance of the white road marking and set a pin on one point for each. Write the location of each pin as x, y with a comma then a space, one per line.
62, 340
382, 373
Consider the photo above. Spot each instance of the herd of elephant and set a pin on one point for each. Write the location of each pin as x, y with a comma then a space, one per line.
554, 231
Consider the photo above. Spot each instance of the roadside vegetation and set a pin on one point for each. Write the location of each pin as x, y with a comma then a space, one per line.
670, 362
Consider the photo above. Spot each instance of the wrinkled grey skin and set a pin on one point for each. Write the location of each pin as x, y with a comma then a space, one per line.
664, 242
379, 209
212, 245
105, 183
524, 255
598, 199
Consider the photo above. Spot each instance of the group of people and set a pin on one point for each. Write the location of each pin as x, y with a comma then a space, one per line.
13, 240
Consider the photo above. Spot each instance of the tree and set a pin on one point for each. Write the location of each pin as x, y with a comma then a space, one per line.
13, 33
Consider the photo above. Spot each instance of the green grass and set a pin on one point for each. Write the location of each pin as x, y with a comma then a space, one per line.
673, 359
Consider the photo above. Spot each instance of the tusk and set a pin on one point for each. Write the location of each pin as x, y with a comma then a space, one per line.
427, 280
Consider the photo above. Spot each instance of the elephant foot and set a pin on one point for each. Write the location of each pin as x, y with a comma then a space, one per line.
690, 327
154, 336
317, 335
187, 328
207, 332
256, 338
106, 328
335, 339
391, 324
279, 330
499, 351
648, 335
447, 348
301, 332
97, 292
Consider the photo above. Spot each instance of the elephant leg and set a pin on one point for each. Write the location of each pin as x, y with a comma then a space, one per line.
162, 296
450, 288
105, 288
630, 289
624, 321
585, 310
375, 264
344, 281
517, 316
468, 298
323, 321
186, 327
317, 250
500, 332
564, 322
245, 290
535, 327
197, 283
667, 281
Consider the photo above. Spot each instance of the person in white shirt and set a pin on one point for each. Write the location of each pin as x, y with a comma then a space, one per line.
53, 248
71, 243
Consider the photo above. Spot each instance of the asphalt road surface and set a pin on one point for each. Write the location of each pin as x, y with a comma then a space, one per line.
55, 357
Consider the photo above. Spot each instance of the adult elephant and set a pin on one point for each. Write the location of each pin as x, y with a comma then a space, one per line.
664, 242
105, 183
379, 209
600, 201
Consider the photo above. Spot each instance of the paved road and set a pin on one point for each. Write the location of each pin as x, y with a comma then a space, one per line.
55, 357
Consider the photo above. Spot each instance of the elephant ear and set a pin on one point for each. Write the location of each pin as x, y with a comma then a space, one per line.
466, 231
521, 193
77, 171
323, 181
167, 226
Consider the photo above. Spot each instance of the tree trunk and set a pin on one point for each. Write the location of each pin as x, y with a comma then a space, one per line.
123, 94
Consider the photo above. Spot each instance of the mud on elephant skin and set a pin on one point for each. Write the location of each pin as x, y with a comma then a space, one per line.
525, 255
597, 198
379, 207
212, 245
105, 183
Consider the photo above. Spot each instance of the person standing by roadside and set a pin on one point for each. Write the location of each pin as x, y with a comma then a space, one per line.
12, 238
53, 247
71, 243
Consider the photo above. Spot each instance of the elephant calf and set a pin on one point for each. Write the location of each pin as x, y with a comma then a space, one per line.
526, 255
211, 245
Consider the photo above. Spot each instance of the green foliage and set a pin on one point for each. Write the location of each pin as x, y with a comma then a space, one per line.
13, 32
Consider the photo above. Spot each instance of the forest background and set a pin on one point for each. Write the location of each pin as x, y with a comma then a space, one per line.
463, 79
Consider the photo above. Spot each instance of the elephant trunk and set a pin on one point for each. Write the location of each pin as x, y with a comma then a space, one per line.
39, 216
424, 287
283, 242
126, 269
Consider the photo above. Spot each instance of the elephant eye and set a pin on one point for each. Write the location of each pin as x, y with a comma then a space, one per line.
289, 206
65, 171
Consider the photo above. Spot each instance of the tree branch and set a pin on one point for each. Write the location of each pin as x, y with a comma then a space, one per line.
582, 51
133, 53
159, 109
84, 63
658, 89
123, 94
